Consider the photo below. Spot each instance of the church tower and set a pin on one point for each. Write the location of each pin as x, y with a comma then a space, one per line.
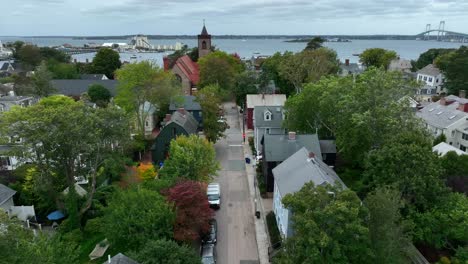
204, 42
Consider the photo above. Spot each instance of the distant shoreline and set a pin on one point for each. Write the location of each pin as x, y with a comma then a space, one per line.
246, 37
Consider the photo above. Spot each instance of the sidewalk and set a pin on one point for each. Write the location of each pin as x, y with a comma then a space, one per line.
260, 224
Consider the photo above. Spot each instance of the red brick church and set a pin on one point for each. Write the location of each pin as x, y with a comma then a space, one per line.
187, 70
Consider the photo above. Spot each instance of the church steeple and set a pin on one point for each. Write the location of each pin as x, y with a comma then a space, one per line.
204, 42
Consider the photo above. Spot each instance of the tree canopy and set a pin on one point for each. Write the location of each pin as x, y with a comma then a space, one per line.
429, 57
219, 68
377, 57
106, 61
210, 102
314, 43
99, 94
329, 227
135, 216
454, 66
271, 71
164, 251
41, 81
191, 158
145, 82
192, 210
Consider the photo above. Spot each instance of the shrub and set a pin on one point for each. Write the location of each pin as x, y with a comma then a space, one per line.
275, 237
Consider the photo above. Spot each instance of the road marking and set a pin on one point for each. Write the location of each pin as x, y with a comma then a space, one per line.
236, 145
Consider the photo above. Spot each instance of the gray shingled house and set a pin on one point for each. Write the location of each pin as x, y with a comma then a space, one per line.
268, 120
277, 148
120, 259
179, 123
77, 87
291, 175
6, 197
189, 103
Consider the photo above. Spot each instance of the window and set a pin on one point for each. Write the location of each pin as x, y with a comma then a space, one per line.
174, 132
420, 77
267, 116
453, 133
203, 45
463, 148
465, 136
425, 78
437, 80
147, 123
430, 79
267, 131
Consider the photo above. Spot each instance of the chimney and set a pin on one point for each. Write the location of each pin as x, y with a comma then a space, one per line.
311, 155
87, 60
74, 60
292, 135
442, 100
347, 62
166, 63
167, 118
462, 94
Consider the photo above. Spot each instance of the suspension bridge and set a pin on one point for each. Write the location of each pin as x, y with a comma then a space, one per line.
440, 34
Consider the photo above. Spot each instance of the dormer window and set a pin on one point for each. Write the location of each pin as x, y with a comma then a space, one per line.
267, 116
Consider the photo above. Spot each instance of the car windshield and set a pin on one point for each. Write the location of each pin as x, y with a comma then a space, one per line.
213, 197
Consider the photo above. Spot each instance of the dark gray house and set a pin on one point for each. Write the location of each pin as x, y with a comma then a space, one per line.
277, 148
77, 87
179, 123
268, 120
120, 259
189, 103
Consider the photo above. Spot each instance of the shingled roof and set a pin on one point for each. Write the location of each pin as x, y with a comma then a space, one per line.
443, 115
185, 120
188, 102
5, 193
430, 70
189, 68
77, 87
280, 147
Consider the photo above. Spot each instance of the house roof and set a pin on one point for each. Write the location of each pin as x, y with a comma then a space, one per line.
189, 68
400, 64
188, 102
279, 147
5, 193
77, 87
204, 32
299, 169
93, 76
16, 66
265, 100
443, 148
327, 146
14, 99
120, 259
351, 68
443, 116
430, 70
276, 116
79, 190
185, 120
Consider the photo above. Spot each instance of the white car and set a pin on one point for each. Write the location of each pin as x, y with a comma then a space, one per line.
214, 195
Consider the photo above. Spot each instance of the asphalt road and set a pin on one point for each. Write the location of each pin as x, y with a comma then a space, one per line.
236, 228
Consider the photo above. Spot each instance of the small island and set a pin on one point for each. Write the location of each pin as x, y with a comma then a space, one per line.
305, 40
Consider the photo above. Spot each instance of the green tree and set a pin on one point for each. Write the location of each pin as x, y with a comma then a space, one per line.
59, 56
210, 102
61, 70
30, 56
407, 161
455, 171
429, 57
164, 251
315, 43
308, 66
329, 227
377, 57
219, 68
445, 225
388, 231
65, 139
19, 245
440, 138
99, 94
16, 47
191, 158
271, 71
106, 61
144, 82
245, 84
136, 216
41, 81
454, 66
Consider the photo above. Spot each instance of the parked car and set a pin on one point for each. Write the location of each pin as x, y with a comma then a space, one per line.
208, 254
214, 195
211, 236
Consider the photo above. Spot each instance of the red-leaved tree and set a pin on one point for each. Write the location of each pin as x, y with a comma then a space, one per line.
192, 210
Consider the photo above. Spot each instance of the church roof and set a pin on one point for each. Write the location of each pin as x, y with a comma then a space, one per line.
204, 32
189, 68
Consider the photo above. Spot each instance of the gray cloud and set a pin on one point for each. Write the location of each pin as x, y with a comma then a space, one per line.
90, 17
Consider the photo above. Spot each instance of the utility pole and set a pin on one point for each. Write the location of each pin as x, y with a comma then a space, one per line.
243, 122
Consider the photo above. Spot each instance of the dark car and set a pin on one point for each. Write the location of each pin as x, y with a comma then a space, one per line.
211, 236
208, 254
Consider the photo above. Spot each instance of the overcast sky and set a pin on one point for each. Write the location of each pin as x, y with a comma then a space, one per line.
174, 17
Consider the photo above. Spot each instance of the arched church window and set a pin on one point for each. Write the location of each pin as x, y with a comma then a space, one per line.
203, 45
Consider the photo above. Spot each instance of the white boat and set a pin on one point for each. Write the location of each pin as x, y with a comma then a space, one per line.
133, 56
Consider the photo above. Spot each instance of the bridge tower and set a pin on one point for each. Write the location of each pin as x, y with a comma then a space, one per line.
441, 32
428, 28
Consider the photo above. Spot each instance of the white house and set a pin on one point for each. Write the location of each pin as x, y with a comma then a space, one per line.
448, 116
148, 110
6, 197
268, 120
400, 65
291, 175
443, 148
432, 78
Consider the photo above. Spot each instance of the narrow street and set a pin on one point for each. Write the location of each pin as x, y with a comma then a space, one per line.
236, 226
